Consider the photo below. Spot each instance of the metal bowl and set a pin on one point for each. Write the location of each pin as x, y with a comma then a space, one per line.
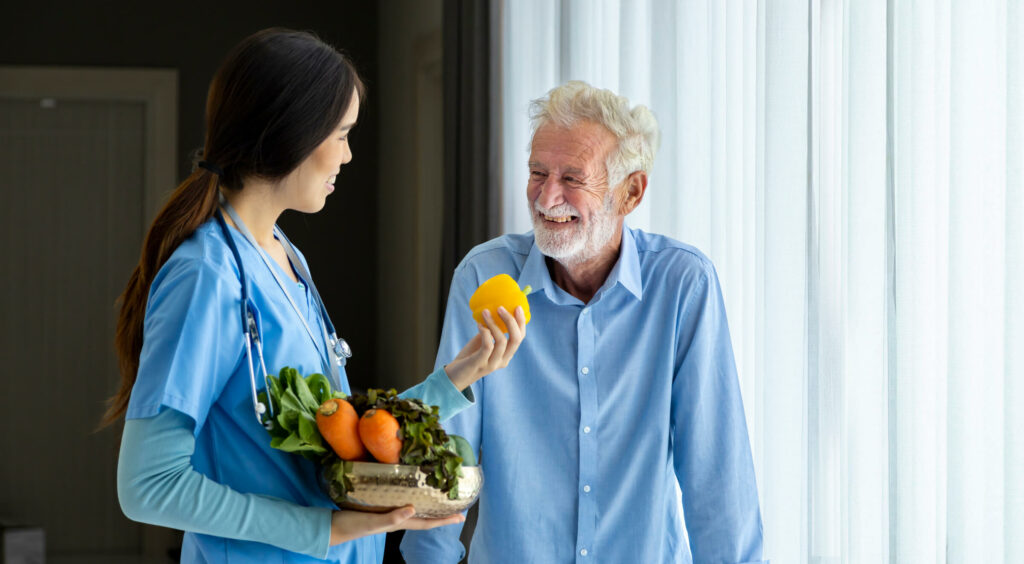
379, 488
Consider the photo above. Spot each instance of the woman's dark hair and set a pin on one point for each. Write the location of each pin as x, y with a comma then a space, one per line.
276, 97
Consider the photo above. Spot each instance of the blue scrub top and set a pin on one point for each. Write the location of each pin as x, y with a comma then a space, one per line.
193, 360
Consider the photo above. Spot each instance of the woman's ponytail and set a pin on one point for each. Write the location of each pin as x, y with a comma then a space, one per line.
192, 204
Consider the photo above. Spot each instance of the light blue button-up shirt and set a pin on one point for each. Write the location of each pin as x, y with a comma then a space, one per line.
606, 406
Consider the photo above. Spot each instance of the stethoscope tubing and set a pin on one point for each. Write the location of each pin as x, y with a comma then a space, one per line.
250, 329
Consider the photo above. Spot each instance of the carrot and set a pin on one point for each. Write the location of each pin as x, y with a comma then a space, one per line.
338, 424
379, 431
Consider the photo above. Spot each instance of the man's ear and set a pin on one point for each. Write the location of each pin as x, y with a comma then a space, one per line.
633, 192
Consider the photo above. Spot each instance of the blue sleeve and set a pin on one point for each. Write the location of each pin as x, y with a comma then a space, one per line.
711, 449
192, 340
156, 484
438, 390
442, 545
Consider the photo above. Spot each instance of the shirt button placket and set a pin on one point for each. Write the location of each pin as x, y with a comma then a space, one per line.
587, 516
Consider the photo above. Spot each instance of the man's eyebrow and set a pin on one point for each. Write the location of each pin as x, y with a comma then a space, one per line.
568, 170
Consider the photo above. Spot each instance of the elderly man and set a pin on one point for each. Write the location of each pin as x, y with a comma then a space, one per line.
627, 384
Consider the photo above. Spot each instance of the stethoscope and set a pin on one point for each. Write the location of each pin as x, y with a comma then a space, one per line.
337, 348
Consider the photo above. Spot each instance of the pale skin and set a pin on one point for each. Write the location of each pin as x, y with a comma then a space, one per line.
567, 165
261, 202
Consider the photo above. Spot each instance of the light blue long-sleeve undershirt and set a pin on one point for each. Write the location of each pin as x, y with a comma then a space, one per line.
157, 483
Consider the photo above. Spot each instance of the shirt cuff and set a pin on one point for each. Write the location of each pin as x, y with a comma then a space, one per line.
323, 536
439, 390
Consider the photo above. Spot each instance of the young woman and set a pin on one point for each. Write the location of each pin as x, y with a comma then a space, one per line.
194, 453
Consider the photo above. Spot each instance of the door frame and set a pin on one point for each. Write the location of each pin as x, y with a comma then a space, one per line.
156, 89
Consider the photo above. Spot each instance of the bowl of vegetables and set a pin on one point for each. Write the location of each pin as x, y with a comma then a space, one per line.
376, 451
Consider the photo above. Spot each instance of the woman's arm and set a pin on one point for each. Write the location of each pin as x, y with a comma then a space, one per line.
157, 484
448, 387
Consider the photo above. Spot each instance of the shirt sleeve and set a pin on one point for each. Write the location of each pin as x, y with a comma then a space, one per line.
192, 340
711, 449
157, 484
442, 545
439, 390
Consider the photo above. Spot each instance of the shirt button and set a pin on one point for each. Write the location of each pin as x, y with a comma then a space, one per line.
585, 370
586, 489
586, 429
585, 311
583, 552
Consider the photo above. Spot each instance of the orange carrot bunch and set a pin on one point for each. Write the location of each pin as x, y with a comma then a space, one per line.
338, 423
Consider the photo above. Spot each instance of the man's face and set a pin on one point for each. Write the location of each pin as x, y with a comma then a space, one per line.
572, 207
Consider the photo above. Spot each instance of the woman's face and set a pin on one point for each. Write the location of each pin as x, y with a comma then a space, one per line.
305, 189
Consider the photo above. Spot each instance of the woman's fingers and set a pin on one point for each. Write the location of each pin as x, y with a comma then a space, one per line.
474, 345
419, 523
402, 518
490, 349
499, 337
516, 333
486, 339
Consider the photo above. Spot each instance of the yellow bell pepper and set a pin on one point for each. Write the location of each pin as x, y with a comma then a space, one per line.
500, 290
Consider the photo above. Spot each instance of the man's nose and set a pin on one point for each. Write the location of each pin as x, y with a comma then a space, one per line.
551, 193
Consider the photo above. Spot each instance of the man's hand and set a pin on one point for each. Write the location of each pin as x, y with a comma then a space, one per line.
350, 525
488, 350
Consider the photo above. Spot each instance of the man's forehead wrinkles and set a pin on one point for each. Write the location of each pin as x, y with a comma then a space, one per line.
564, 160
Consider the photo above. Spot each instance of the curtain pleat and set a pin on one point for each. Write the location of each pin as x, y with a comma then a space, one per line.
855, 170
470, 196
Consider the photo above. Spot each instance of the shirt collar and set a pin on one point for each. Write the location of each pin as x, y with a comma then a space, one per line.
626, 271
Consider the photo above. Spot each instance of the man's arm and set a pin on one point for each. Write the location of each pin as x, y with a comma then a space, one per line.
711, 448
442, 545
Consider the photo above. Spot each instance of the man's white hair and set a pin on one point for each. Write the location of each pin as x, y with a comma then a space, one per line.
635, 129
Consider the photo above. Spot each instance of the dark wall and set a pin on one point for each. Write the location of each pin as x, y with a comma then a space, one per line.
193, 37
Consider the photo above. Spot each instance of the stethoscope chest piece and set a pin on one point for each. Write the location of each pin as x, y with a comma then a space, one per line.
342, 352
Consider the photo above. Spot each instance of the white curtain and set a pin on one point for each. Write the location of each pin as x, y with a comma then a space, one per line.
856, 172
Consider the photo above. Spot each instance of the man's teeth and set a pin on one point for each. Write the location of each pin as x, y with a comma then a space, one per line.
562, 219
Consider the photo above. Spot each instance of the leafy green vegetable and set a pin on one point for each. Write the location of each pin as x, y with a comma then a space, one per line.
424, 442
462, 448
295, 401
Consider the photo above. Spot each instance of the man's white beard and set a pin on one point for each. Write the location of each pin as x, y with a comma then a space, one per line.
580, 243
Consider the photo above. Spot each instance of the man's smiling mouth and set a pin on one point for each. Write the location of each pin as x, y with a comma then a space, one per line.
561, 219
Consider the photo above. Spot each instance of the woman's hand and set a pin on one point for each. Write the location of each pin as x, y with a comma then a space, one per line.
350, 525
488, 350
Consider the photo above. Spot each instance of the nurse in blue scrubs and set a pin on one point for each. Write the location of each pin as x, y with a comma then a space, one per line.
194, 455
